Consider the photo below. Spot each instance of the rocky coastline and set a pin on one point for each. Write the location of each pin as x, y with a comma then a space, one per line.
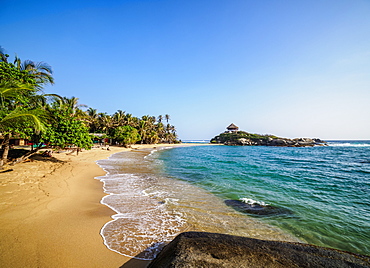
201, 249
242, 138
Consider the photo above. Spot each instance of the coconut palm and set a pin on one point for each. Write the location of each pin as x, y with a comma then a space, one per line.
3, 55
92, 120
142, 129
14, 120
106, 122
41, 71
129, 120
119, 118
167, 117
72, 105
160, 118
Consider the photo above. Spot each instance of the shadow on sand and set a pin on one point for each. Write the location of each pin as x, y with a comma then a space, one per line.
138, 263
135, 263
39, 157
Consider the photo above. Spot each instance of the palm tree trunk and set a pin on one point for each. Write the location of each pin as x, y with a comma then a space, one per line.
27, 155
6, 146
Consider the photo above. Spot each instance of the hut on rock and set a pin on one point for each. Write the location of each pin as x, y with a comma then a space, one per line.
232, 128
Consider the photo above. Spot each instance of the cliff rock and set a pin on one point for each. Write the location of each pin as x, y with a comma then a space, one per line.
199, 249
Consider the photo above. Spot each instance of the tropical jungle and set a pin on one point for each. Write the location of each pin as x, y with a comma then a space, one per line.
57, 122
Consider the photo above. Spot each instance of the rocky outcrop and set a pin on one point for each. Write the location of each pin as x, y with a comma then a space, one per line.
198, 249
248, 139
257, 209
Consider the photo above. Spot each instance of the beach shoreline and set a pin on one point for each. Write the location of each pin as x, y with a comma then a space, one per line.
51, 213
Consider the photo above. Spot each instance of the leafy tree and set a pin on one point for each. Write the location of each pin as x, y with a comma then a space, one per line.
126, 135
10, 74
61, 123
66, 131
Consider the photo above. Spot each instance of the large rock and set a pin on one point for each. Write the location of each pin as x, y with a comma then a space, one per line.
198, 249
257, 209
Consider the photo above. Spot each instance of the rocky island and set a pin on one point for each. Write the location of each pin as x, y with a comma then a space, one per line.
233, 136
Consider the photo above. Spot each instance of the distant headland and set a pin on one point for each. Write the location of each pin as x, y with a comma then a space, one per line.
234, 136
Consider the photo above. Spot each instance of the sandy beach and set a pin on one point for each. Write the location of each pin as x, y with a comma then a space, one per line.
51, 214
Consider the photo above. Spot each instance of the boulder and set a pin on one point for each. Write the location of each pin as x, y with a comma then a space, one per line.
199, 249
257, 209
278, 142
243, 141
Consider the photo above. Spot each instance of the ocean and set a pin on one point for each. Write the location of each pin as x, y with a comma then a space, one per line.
318, 195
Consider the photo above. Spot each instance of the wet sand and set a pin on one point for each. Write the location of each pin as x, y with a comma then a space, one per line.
51, 214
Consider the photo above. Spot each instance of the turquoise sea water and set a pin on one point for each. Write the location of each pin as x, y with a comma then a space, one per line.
160, 193
327, 189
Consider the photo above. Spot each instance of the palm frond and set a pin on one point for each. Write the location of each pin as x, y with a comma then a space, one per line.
35, 118
12, 90
3, 55
27, 65
44, 67
17, 62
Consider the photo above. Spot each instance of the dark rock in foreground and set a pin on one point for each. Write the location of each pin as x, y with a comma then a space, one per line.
198, 249
257, 209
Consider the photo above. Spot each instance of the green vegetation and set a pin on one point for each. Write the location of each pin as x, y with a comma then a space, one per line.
235, 136
66, 130
126, 135
60, 122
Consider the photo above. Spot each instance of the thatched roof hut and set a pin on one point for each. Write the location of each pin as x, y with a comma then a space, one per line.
232, 127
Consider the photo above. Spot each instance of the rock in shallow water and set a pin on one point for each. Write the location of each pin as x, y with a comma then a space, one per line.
199, 249
257, 209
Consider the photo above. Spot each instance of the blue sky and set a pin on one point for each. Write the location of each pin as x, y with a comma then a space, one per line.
289, 68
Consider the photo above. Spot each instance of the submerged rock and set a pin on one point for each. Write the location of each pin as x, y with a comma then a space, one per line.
257, 209
199, 249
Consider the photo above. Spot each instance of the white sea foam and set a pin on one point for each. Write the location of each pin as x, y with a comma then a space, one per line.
347, 144
252, 202
153, 151
141, 226
151, 210
142, 223
150, 154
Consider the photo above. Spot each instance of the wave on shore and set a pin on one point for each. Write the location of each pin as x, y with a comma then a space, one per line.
152, 208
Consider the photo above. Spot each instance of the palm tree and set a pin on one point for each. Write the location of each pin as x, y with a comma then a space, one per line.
21, 107
152, 137
119, 118
16, 118
3, 55
167, 117
72, 105
142, 128
92, 119
41, 71
161, 132
13, 91
129, 120
106, 122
